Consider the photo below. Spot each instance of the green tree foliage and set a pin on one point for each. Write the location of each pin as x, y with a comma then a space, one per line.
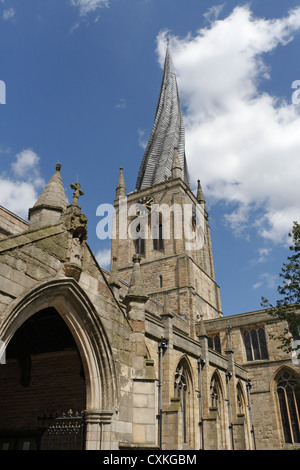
287, 308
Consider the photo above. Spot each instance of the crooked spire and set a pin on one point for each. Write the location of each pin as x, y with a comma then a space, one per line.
167, 133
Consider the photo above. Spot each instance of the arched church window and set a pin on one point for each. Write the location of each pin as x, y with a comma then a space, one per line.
255, 344
240, 399
217, 403
288, 393
181, 390
214, 342
214, 392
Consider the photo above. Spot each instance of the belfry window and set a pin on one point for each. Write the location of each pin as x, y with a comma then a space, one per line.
255, 344
139, 243
289, 403
158, 241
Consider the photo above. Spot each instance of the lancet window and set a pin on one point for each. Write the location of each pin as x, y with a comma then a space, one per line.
289, 403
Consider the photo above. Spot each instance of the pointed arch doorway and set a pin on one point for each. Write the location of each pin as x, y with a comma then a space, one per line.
43, 378
57, 359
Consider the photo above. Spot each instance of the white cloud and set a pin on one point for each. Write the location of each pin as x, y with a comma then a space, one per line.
264, 254
89, 6
122, 104
243, 143
25, 162
142, 139
266, 279
20, 190
213, 12
17, 196
103, 258
8, 14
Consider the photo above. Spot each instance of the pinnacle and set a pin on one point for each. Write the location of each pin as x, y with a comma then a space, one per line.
136, 286
121, 188
54, 194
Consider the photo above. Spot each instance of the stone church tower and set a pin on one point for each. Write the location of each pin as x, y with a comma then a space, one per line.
139, 357
174, 244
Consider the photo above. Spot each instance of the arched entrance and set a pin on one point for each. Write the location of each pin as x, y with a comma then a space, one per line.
43, 378
77, 357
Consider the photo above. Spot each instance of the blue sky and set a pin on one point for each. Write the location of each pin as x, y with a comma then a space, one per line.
82, 84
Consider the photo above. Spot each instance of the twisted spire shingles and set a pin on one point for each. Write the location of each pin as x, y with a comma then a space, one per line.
167, 133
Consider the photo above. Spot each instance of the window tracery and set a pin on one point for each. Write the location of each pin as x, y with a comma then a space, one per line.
289, 403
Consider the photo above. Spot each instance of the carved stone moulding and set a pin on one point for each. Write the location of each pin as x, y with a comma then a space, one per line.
72, 270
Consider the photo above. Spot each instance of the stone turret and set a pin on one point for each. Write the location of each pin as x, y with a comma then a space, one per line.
51, 204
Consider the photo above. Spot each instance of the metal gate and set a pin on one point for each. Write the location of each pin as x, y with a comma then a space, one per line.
62, 432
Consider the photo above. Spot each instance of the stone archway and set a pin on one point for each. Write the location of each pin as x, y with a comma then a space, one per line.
42, 381
78, 313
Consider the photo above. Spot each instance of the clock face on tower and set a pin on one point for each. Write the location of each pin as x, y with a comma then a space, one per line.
146, 201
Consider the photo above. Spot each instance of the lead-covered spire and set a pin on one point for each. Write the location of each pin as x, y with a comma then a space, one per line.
167, 133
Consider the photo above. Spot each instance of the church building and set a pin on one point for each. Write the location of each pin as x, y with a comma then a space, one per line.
139, 357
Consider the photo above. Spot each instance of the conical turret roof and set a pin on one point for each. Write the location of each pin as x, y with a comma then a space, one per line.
51, 204
54, 194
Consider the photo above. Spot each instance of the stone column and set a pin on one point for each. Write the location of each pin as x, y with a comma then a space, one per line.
231, 389
143, 371
206, 419
98, 430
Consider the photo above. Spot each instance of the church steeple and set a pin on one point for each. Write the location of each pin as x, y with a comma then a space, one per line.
167, 133
175, 259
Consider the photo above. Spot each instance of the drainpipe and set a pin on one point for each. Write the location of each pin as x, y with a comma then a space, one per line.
201, 363
228, 377
248, 386
162, 346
